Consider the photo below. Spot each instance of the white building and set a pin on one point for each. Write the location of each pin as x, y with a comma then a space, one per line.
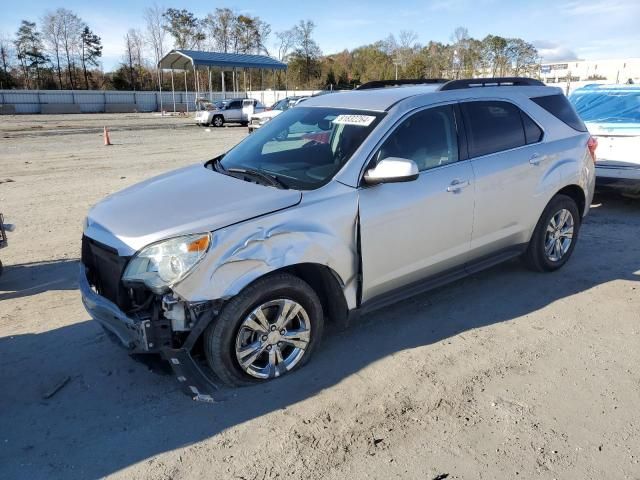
607, 71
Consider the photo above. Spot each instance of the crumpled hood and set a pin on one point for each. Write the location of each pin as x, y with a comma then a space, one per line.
189, 200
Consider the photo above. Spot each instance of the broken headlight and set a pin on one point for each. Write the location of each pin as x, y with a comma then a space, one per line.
165, 263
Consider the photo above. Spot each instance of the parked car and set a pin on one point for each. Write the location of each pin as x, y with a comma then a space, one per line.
612, 115
230, 111
341, 205
258, 119
4, 228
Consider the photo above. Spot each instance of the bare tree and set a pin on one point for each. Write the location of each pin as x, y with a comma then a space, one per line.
406, 43
6, 56
156, 35
132, 55
52, 35
70, 32
286, 41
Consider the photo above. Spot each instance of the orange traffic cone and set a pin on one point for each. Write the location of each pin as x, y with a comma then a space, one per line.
107, 140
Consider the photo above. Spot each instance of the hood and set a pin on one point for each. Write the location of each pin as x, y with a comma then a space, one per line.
267, 114
190, 200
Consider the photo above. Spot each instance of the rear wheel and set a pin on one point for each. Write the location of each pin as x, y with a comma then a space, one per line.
269, 329
555, 235
218, 121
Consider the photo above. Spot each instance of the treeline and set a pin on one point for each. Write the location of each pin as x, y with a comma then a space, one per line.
61, 51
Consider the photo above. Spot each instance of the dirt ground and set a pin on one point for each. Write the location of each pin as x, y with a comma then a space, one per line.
505, 374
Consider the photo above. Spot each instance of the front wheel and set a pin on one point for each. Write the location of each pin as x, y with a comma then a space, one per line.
218, 121
555, 235
266, 331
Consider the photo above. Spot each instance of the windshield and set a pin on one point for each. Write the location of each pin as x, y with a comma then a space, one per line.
610, 106
304, 147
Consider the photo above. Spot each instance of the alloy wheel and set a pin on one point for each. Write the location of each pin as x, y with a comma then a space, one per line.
273, 338
559, 235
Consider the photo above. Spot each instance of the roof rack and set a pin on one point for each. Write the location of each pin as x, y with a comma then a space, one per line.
397, 83
491, 82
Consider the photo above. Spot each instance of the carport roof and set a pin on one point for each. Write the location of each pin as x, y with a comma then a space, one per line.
191, 59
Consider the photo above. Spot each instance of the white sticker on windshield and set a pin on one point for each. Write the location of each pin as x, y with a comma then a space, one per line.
358, 120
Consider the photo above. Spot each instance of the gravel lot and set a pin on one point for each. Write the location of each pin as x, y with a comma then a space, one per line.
505, 374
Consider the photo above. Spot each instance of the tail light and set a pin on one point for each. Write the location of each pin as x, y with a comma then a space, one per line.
592, 144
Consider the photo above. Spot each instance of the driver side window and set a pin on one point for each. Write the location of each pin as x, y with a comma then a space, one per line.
428, 137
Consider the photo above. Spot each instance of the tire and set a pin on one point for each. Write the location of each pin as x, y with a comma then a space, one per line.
228, 336
244, 124
537, 257
218, 121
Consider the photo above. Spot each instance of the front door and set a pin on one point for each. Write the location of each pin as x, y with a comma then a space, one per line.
417, 229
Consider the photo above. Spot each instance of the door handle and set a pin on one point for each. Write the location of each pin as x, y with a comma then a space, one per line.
456, 185
535, 159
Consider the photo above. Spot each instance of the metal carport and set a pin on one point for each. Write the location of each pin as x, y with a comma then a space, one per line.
185, 60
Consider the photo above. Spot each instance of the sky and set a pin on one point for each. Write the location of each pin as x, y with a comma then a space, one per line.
561, 30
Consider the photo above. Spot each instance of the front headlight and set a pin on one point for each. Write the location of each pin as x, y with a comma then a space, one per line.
165, 263
264, 120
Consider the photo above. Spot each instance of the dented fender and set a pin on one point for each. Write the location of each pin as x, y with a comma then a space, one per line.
321, 230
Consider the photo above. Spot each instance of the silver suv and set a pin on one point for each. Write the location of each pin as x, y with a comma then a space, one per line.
229, 111
344, 204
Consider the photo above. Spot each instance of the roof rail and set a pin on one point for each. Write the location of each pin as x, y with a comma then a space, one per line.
397, 83
491, 82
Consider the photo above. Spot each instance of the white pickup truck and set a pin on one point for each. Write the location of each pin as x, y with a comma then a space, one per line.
258, 119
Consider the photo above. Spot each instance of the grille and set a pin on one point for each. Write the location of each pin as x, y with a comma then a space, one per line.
104, 270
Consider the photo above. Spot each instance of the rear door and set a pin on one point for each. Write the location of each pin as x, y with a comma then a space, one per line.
420, 228
504, 147
233, 113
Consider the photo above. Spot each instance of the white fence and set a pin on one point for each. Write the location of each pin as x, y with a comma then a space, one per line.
97, 101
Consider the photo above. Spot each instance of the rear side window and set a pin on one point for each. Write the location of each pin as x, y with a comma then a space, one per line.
492, 127
532, 132
559, 106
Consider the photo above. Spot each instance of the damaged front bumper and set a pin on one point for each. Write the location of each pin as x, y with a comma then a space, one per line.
144, 335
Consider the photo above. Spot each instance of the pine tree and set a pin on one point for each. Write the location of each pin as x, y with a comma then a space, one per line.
91, 51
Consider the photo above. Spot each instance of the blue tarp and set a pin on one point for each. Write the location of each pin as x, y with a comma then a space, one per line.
188, 59
608, 104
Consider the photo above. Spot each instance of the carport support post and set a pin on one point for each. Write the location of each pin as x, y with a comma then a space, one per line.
224, 93
210, 85
173, 92
196, 84
160, 88
186, 92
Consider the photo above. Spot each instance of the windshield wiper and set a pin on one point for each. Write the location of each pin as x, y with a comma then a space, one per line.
270, 179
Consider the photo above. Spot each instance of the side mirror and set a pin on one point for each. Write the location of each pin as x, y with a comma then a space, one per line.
390, 170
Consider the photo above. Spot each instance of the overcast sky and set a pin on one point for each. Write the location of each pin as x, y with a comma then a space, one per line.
562, 30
